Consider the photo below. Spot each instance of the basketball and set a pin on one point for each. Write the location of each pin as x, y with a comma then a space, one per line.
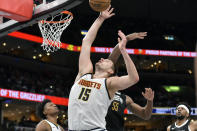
99, 5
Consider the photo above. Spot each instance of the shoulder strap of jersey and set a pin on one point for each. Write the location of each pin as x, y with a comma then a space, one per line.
172, 126
51, 123
189, 120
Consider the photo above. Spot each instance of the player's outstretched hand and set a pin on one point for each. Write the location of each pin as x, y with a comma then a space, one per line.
149, 94
122, 40
139, 35
107, 13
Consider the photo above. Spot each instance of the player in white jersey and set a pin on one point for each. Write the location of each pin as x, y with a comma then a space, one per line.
91, 94
48, 111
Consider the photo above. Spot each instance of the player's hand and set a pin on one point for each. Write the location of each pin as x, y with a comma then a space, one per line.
149, 94
107, 13
134, 36
122, 40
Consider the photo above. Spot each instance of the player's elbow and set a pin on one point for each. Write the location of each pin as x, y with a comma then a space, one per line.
147, 117
132, 80
135, 79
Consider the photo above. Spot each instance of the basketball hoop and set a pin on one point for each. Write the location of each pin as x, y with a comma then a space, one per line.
52, 30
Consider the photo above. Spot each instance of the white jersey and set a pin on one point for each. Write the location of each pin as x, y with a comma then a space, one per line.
88, 104
53, 126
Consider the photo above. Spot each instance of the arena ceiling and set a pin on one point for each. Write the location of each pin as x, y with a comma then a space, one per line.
168, 10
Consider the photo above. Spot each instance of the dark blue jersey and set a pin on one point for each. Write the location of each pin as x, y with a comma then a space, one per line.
115, 115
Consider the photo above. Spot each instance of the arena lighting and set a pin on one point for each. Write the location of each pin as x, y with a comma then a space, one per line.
190, 71
40, 55
125, 118
6, 105
172, 88
27, 96
168, 37
34, 57
4, 44
48, 54
84, 32
71, 47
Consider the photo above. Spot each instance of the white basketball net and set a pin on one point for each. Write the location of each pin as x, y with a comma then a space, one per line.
52, 30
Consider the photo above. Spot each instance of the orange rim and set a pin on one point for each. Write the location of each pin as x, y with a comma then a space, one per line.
62, 21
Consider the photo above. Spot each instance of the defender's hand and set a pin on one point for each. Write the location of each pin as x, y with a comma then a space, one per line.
122, 40
134, 36
149, 94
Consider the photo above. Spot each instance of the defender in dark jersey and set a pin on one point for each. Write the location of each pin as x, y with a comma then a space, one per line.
183, 123
115, 115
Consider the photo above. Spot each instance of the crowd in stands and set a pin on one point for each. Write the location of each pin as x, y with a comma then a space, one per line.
43, 83
57, 85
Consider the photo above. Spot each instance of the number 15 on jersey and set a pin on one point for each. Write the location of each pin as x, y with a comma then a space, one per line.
84, 94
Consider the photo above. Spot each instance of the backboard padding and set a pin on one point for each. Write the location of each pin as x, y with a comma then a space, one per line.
41, 11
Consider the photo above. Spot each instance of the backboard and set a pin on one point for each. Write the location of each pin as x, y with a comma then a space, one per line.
40, 12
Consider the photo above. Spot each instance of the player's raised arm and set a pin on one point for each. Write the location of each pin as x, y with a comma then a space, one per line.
85, 64
143, 112
116, 51
123, 82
